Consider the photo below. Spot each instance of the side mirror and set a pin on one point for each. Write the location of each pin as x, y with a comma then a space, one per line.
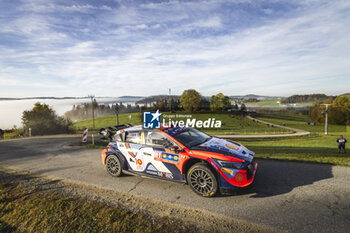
174, 148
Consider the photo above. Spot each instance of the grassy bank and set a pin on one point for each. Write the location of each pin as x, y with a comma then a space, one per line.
24, 210
230, 124
316, 147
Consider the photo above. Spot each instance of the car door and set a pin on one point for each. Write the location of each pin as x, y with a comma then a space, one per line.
162, 159
132, 150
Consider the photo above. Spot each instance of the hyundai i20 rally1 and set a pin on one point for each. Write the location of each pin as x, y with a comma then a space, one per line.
208, 164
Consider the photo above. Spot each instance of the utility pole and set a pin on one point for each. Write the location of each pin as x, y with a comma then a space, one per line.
92, 109
170, 99
326, 119
116, 109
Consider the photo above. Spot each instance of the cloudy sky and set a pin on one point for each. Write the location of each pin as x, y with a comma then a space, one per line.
115, 48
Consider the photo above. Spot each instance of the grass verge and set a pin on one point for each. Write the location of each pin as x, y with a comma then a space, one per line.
23, 210
316, 147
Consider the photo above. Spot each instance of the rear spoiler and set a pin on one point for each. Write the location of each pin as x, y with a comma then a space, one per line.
108, 132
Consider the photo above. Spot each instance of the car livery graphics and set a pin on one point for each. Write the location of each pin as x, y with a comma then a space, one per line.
206, 163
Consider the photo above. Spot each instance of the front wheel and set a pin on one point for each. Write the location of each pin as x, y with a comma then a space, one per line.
113, 165
202, 180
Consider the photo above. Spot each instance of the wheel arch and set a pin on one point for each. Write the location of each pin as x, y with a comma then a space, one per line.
192, 161
120, 157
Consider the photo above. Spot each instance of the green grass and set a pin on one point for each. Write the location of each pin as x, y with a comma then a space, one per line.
230, 124
45, 211
316, 147
105, 121
299, 122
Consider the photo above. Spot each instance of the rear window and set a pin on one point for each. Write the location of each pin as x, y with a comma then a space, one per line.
133, 137
157, 139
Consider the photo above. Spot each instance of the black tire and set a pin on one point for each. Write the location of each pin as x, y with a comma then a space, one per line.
114, 166
202, 180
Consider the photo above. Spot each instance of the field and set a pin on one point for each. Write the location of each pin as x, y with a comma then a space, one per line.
230, 124
264, 103
317, 147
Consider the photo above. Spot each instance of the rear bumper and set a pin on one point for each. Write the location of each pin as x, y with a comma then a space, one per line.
103, 156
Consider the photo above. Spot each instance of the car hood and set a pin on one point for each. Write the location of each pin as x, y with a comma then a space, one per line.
228, 148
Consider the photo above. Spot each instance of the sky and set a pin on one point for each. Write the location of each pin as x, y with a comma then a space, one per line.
117, 48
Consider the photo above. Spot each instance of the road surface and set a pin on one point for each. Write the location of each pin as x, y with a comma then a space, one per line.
291, 196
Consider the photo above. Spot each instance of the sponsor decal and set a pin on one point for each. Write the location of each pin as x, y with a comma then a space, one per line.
157, 154
152, 172
166, 175
170, 157
139, 161
231, 146
151, 120
226, 170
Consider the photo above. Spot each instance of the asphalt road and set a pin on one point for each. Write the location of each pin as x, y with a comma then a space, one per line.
291, 196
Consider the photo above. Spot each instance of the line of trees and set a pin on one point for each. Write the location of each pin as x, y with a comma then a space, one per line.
304, 98
84, 111
191, 101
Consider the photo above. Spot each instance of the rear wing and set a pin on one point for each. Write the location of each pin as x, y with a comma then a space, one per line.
108, 132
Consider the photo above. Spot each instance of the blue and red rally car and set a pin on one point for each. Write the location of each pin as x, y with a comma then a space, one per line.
208, 164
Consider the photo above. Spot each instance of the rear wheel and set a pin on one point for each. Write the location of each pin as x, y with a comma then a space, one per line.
113, 165
202, 180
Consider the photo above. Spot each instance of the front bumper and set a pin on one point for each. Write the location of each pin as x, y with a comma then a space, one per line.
239, 179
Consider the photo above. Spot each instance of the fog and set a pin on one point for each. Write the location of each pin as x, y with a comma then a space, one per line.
11, 110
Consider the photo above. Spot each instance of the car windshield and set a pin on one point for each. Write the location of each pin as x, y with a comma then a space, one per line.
191, 137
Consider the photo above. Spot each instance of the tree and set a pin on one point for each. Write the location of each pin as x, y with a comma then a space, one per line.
190, 100
44, 120
243, 108
340, 110
219, 102
214, 103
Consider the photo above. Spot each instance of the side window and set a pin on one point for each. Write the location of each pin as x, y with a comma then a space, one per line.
133, 137
153, 138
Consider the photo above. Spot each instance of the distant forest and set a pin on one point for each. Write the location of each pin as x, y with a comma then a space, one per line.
84, 111
304, 98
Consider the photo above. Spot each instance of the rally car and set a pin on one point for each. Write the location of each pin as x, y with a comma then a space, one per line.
208, 164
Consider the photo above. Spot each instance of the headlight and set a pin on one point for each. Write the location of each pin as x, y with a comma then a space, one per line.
227, 164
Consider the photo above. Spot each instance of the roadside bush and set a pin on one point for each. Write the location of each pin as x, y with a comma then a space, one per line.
44, 120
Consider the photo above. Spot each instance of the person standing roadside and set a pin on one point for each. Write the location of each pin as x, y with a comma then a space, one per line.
341, 143
1, 134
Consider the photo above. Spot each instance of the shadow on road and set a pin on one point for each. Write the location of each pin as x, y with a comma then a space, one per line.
275, 178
